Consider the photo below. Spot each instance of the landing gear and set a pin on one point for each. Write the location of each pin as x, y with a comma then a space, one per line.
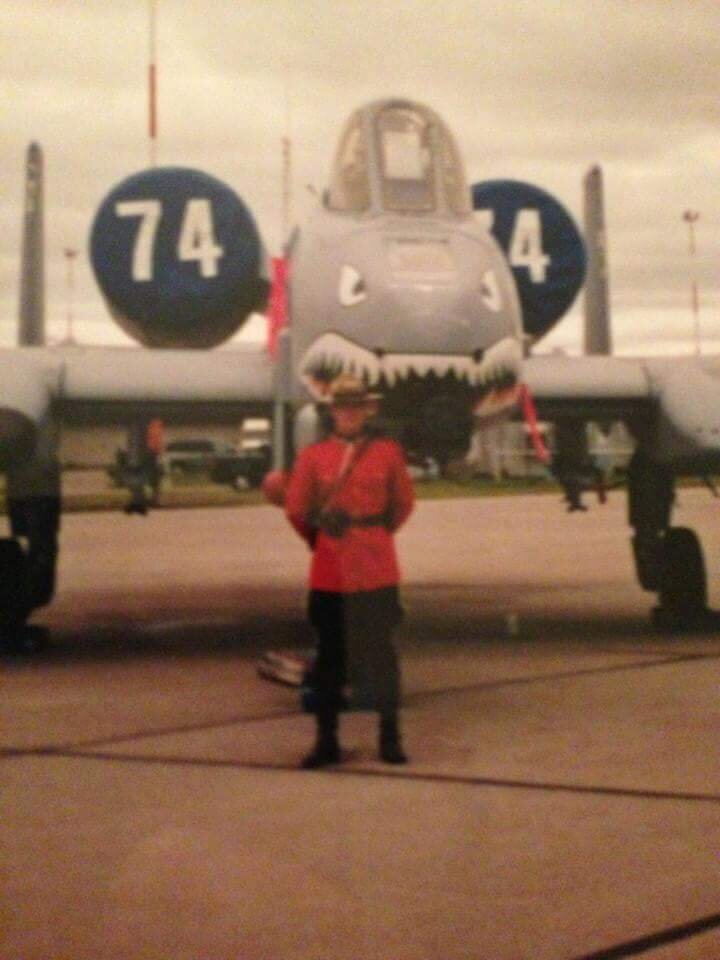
572, 465
137, 474
27, 573
682, 586
668, 560
16, 636
13, 607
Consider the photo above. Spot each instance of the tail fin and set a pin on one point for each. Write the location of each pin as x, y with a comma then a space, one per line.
32, 277
597, 333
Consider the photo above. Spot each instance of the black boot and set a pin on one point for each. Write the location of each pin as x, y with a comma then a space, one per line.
327, 748
391, 750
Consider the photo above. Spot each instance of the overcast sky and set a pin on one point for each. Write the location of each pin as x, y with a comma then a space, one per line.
534, 90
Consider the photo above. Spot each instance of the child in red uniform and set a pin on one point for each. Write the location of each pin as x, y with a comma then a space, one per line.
347, 496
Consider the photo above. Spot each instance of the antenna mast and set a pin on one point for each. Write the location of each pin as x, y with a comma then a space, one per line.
152, 82
286, 173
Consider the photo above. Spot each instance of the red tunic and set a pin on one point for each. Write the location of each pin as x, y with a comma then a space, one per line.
364, 557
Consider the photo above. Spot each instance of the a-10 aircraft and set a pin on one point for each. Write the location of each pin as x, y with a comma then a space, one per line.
395, 278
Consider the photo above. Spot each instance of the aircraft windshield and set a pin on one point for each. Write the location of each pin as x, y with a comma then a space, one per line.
457, 192
399, 158
406, 160
350, 186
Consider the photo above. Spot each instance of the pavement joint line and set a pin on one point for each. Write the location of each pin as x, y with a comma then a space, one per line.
406, 775
149, 734
631, 948
627, 651
409, 700
561, 675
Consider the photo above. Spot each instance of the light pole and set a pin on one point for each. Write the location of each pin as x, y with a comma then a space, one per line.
691, 217
70, 255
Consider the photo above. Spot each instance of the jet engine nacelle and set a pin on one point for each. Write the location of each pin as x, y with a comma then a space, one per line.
178, 258
543, 246
26, 397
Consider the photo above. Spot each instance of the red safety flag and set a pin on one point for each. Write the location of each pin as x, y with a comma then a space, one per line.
277, 315
527, 405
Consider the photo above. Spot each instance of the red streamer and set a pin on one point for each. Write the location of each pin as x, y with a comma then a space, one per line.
527, 405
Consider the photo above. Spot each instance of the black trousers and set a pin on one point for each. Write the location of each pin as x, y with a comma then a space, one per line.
354, 643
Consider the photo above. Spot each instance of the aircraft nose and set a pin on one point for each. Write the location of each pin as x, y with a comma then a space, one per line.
434, 319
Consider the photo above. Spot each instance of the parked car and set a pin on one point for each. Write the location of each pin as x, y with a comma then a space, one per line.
422, 468
245, 468
219, 461
195, 455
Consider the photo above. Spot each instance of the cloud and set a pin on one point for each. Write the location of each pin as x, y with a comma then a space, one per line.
534, 91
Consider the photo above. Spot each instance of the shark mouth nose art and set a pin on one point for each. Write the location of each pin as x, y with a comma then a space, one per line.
490, 377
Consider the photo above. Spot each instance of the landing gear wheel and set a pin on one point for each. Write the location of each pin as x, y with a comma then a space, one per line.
22, 639
682, 582
12, 595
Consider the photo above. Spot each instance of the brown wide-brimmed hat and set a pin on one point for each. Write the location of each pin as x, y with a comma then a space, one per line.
348, 390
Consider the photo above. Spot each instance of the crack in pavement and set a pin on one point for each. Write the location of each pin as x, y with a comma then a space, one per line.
406, 775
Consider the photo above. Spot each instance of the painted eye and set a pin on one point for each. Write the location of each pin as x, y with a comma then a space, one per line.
490, 291
352, 287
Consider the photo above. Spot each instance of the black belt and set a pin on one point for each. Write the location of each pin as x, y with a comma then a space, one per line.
336, 522
374, 520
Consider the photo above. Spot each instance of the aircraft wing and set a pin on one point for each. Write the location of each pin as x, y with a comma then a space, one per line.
104, 384
590, 387
671, 405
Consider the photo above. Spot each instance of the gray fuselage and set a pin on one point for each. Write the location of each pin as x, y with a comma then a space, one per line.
393, 278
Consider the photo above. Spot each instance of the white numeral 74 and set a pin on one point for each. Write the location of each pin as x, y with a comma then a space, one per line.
526, 249
196, 240
150, 212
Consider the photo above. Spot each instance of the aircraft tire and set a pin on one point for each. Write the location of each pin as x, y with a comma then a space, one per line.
23, 640
13, 610
682, 581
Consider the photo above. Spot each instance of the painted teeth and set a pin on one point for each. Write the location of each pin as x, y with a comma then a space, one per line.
332, 354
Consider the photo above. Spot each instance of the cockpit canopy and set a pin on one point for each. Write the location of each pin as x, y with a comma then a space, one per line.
396, 156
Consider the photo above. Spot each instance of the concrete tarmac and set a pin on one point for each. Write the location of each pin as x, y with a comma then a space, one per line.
563, 794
